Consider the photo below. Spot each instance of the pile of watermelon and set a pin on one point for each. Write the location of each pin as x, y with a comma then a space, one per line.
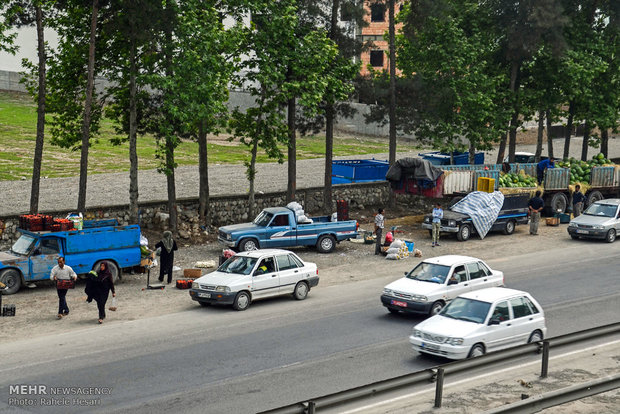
516, 180
580, 170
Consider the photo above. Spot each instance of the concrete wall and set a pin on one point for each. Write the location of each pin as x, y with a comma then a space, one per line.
9, 81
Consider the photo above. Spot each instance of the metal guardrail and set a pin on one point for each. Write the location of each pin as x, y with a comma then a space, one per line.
437, 373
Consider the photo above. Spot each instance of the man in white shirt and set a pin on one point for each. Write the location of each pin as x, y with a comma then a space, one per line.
62, 272
379, 224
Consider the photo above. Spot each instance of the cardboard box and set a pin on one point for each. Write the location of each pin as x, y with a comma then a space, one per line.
553, 221
192, 273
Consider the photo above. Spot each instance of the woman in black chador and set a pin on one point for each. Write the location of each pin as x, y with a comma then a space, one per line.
166, 247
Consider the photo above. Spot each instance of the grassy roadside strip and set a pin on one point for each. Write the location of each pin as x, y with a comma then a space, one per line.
18, 133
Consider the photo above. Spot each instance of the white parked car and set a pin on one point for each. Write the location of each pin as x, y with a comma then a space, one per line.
479, 322
436, 281
255, 274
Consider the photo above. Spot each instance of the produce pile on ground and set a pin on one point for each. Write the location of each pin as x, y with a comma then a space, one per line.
517, 180
580, 170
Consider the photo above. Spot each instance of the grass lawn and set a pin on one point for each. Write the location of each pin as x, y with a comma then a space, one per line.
18, 133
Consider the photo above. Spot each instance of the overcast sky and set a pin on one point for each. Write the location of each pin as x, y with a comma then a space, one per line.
27, 42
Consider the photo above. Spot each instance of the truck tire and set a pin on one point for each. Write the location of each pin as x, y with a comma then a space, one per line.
509, 227
558, 203
464, 232
247, 245
13, 281
325, 244
593, 197
114, 270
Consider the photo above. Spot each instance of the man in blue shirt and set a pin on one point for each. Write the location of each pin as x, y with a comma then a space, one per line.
437, 216
578, 199
543, 166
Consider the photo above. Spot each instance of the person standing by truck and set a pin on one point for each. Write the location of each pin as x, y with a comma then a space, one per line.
166, 248
105, 284
535, 206
379, 225
437, 216
543, 166
578, 199
62, 272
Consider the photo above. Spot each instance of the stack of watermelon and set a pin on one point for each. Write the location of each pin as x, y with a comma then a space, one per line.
580, 170
516, 180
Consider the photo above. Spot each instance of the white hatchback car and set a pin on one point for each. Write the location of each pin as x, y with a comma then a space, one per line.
435, 281
255, 274
479, 322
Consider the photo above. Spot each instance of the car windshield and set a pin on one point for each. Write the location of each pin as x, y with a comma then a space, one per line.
240, 265
429, 272
263, 218
601, 210
469, 310
23, 245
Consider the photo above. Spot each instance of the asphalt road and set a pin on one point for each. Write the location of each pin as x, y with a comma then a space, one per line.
280, 351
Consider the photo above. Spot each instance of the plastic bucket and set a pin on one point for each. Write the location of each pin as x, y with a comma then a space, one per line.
409, 245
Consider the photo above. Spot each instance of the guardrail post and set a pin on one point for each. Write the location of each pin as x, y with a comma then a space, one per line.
545, 360
439, 388
311, 409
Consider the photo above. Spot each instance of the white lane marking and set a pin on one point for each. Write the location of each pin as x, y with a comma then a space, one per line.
469, 380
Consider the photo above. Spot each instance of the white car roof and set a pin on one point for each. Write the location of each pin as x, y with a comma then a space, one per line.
611, 201
263, 252
450, 260
493, 294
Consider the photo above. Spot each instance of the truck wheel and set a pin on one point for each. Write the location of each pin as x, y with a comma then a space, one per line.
509, 227
116, 274
464, 233
13, 281
242, 301
301, 291
246, 245
593, 197
558, 203
325, 244
611, 236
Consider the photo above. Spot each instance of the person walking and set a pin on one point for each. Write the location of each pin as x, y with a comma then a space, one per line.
578, 199
379, 225
166, 247
535, 206
437, 216
65, 273
104, 284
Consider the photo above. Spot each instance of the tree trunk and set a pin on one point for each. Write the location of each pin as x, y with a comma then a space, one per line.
292, 153
329, 156
392, 63
133, 137
38, 149
512, 136
88, 101
539, 141
549, 138
172, 193
569, 128
472, 153
203, 171
605, 142
251, 175
586, 140
514, 88
501, 152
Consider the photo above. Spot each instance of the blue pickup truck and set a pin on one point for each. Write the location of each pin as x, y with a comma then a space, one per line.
34, 254
278, 227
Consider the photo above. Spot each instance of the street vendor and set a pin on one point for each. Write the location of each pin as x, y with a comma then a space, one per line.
543, 166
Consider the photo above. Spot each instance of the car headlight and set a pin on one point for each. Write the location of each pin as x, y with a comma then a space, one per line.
455, 341
598, 227
419, 298
195, 285
229, 236
427, 219
571, 224
388, 292
452, 223
222, 289
417, 333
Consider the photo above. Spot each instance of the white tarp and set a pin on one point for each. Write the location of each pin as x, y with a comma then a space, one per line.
482, 207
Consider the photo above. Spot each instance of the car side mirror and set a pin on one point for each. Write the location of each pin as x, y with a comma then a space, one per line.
494, 321
406, 273
452, 282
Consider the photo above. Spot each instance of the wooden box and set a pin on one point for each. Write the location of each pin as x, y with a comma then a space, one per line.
192, 273
553, 221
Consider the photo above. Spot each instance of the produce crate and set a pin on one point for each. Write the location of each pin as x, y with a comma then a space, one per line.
194, 273
184, 283
8, 310
553, 221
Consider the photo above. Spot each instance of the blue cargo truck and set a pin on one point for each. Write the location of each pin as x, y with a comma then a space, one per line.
34, 254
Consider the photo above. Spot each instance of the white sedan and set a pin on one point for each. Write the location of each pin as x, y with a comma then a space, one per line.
479, 322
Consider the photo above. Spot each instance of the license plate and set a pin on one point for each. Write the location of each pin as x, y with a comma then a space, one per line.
203, 295
432, 347
582, 231
398, 303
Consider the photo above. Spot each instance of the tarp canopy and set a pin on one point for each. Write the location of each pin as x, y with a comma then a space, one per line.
483, 208
418, 168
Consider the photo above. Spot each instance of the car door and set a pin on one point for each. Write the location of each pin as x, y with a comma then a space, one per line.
459, 274
265, 279
289, 271
500, 335
525, 321
479, 279
44, 257
279, 232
